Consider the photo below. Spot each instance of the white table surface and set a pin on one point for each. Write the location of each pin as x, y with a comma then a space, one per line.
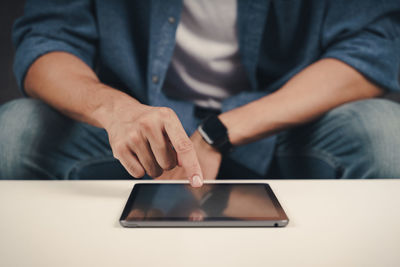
75, 223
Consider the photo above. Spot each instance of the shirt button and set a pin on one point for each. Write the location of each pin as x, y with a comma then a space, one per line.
154, 79
171, 20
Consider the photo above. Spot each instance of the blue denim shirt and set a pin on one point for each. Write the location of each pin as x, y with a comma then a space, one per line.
129, 43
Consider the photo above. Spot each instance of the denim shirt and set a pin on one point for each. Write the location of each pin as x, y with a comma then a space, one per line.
130, 44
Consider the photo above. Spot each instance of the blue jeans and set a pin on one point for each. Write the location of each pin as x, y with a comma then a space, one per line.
356, 140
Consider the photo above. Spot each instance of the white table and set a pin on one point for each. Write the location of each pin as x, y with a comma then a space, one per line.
75, 223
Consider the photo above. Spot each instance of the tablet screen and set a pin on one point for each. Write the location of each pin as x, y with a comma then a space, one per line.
211, 202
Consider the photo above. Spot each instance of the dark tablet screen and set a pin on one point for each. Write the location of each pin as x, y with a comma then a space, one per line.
211, 202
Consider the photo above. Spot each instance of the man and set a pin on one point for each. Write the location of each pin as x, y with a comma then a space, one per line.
280, 82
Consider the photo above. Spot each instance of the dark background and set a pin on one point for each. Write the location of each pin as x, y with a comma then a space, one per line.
9, 11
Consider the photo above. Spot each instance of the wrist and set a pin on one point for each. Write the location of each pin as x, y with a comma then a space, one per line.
114, 105
201, 145
236, 124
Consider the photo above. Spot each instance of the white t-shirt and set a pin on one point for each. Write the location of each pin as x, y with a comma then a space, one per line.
206, 66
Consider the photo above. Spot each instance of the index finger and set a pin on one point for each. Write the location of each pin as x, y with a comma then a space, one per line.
186, 154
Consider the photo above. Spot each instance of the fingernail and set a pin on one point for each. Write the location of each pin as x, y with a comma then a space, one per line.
196, 181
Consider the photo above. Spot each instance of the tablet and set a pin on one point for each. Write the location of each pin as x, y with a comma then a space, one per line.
212, 205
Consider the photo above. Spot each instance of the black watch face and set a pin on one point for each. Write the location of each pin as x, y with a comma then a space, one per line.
214, 128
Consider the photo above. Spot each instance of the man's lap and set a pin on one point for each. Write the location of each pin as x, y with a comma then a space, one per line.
40, 143
356, 140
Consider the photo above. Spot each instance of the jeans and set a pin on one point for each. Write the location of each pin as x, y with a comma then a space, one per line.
356, 140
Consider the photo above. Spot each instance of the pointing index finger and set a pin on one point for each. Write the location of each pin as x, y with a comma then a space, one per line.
186, 154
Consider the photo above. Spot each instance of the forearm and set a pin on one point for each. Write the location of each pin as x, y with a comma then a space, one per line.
317, 89
70, 86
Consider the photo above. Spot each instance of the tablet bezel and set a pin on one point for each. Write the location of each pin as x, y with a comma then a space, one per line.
282, 220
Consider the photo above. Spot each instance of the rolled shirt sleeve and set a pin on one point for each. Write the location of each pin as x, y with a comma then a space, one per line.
47, 26
366, 36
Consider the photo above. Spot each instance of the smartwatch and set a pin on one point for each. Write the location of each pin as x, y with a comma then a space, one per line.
215, 134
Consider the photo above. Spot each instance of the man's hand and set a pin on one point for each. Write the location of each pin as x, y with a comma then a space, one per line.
209, 158
152, 140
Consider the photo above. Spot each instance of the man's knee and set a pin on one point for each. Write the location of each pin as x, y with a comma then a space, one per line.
371, 129
22, 120
23, 127
17, 120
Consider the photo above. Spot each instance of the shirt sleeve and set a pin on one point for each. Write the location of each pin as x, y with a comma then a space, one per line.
365, 35
48, 25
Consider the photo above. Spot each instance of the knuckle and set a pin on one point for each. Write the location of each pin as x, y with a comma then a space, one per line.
153, 171
137, 172
166, 112
166, 158
118, 149
133, 168
184, 145
157, 172
193, 166
161, 149
145, 124
135, 137
169, 164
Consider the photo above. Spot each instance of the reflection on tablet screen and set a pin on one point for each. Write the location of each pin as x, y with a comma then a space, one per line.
210, 202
